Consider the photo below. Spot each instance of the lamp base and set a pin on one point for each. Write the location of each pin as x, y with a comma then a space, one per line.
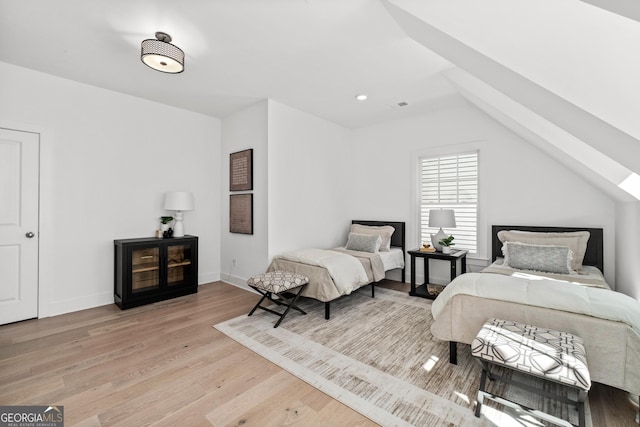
178, 227
435, 238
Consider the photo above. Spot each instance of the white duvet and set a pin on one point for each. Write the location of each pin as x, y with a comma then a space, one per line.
346, 271
544, 292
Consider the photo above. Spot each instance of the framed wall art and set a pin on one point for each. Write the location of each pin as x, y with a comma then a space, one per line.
241, 213
241, 170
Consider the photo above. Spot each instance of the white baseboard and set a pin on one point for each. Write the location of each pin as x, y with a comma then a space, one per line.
56, 308
240, 282
76, 304
208, 278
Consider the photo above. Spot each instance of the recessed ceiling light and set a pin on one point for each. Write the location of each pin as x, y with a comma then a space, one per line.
361, 97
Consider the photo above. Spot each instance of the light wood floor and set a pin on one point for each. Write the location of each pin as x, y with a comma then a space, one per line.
164, 365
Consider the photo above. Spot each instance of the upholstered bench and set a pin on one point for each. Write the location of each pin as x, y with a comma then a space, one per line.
278, 283
552, 355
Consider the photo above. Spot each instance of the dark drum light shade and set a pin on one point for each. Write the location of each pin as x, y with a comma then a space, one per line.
161, 55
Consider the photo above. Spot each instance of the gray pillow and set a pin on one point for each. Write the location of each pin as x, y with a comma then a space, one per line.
384, 231
575, 240
547, 258
363, 242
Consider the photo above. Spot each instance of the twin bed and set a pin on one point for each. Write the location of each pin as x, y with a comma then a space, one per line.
326, 285
580, 303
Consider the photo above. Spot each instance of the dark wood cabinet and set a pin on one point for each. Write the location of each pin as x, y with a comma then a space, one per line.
150, 269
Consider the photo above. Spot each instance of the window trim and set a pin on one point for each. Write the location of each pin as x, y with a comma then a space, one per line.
413, 239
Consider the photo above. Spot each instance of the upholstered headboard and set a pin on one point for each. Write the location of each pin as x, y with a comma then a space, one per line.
593, 256
398, 237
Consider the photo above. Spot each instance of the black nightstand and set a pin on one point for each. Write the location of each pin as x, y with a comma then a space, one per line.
453, 257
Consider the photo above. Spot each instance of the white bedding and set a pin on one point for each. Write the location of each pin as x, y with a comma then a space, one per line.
392, 259
587, 276
535, 290
346, 271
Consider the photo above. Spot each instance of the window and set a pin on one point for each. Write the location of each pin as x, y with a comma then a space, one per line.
451, 182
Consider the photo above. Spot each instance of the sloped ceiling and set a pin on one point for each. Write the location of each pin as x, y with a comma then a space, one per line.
628, 8
561, 74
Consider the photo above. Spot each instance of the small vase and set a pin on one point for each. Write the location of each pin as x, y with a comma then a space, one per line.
446, 249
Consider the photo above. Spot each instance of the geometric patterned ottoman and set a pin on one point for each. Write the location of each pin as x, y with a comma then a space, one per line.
552, 355
277, 283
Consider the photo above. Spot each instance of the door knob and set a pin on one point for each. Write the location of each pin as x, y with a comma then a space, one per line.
30, 234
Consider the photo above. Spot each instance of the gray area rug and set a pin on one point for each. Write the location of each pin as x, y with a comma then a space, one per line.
377, 356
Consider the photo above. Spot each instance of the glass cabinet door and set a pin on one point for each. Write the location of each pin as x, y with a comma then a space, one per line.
145, 269
179, 268
148, 269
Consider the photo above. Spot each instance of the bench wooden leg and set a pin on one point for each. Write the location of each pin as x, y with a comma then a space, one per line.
479, 400
582, 396
282, 300
264, 296
292, 304
327, 310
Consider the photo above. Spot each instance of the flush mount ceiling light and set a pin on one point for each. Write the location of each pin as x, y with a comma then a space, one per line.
161, 55
361, 97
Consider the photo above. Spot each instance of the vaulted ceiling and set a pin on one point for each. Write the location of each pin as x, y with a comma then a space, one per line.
563, 74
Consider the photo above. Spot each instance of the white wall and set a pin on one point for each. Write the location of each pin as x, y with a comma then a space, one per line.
301, 185
106, 161
241, 131
628, 249
519, 184
310, 180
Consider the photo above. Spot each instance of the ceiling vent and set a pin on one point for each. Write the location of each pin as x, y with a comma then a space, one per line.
399, 105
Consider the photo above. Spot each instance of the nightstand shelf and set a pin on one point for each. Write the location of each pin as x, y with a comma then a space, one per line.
453, 257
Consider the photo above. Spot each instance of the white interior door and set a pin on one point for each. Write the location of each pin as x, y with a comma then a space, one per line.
19, 169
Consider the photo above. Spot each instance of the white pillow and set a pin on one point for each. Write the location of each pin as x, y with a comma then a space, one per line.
384, 231
547, 258
574, 240
363, 242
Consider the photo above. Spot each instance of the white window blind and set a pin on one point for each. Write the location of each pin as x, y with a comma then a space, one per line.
451, 182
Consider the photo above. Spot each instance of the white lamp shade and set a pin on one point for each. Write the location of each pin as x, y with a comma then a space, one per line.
442, 218
178, 201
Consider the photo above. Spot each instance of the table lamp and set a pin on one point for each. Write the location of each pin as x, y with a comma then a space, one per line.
178, 201
439, 218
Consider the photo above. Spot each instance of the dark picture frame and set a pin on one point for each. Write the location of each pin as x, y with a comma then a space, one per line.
241, 170
241, 213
